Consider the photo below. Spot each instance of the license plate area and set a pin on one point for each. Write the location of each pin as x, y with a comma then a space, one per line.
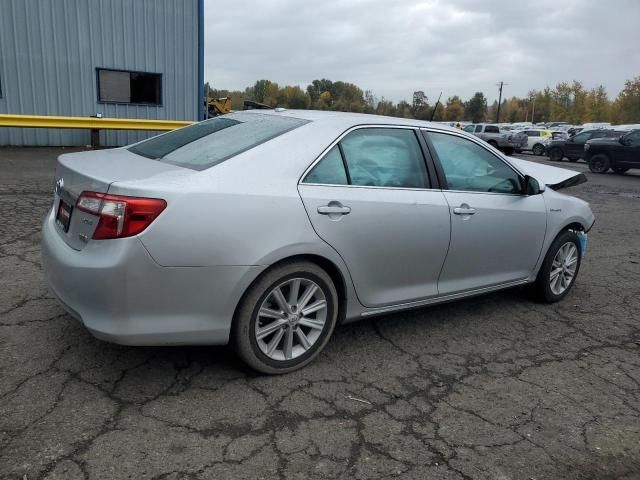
63, 215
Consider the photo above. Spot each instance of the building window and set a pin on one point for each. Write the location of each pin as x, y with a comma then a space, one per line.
122, 86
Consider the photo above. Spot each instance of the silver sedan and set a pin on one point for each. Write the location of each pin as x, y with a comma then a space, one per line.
266, 229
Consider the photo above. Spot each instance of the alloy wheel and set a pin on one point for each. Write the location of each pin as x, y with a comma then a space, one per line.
291, 319
563, 268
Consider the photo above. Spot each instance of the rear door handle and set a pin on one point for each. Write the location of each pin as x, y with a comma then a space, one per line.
334, 209
464, 209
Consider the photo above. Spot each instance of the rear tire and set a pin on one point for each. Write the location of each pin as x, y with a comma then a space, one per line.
271, 331
538, 149
555, 155
559, 269
599, 163
620, 170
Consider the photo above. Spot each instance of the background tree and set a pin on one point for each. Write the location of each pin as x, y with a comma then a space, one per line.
476, 108
626, 108
419, 105
454, 110
569, 102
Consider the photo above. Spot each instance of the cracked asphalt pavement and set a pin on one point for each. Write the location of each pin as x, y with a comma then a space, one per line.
496, 387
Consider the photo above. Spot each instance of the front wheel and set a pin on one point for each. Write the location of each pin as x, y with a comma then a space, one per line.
620, 170
555, 155
559, 269
286, 318
599, 163
538, 149
508, 151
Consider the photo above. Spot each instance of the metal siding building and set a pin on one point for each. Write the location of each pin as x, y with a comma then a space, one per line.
51, 50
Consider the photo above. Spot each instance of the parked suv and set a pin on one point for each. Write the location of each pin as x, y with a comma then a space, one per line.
620, 154
573, 148
537, 140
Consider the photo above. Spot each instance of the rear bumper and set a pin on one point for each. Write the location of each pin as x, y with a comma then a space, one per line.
121, 295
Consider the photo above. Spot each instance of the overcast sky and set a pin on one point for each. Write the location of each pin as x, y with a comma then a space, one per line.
394, 47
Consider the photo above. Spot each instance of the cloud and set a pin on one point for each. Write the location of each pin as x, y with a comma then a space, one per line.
394, 47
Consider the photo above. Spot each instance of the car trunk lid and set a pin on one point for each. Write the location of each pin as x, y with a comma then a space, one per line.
95, 171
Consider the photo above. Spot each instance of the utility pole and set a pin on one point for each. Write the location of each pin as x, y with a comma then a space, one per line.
433, 113
500, 85
533, 111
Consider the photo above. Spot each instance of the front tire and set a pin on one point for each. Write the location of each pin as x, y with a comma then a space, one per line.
599, 163
286, 318
555, 155
538, 149
559, 269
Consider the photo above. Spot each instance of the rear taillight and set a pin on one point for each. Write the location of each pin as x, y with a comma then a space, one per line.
120, 216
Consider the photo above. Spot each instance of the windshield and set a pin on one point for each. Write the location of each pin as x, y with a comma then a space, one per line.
205, 144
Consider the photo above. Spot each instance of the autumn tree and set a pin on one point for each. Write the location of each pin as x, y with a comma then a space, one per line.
626, 108
454, 109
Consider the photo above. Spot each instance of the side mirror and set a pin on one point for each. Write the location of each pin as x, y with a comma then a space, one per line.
623, 140
532, 186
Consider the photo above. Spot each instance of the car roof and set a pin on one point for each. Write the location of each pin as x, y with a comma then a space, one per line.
350, 118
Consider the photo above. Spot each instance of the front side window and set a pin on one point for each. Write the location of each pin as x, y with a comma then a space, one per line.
123, 86
633, 139
582, 137
204, 144
469, 167
532, 133
374, 157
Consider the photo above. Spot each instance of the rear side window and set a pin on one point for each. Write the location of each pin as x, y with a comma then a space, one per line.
478, 128
213, 141
330, 170
376, 157
491, 129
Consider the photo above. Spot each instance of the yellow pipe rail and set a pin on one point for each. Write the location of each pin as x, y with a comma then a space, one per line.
93, 123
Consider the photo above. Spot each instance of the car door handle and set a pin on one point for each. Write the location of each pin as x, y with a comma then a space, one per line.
464, 209
332, 209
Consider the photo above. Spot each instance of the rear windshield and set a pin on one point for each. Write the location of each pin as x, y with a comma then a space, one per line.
210, 142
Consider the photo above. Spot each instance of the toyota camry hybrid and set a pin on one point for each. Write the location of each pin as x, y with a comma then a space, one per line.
267, 228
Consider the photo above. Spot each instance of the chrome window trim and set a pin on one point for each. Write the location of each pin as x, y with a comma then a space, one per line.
479, 142
376, 187
347, 132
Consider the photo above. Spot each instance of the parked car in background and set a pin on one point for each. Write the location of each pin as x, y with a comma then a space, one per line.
507, 141
559, 135
267, 228
573, 147
618, 154
537, 140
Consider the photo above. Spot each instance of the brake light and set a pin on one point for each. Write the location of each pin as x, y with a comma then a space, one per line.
120, 216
